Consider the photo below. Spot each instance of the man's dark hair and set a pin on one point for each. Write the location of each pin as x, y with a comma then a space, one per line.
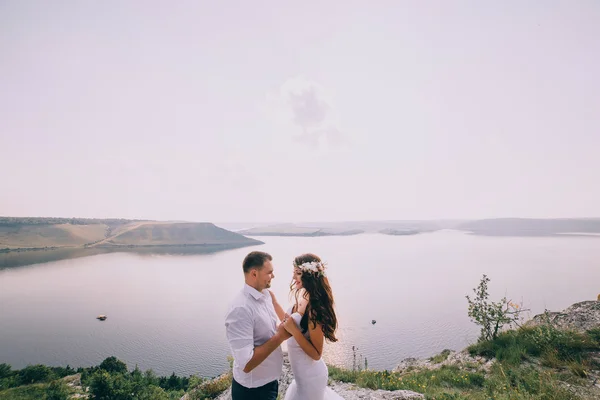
255, 259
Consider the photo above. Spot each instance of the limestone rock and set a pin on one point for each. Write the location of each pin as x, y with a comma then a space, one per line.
461, 359
352, 392
579, 317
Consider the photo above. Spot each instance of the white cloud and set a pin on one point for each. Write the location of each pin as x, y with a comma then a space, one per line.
308, 111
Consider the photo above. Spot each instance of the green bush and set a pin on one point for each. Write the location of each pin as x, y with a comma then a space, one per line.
5, 371
104, 386
112, 364
153, 392
35, 374
109, 380
57, 390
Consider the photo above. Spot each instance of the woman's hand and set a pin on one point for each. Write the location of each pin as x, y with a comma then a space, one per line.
290, 325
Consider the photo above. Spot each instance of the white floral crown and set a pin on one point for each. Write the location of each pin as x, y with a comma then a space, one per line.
317, 267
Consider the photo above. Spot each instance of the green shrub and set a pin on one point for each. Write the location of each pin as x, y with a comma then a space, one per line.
153, 393
112, 364
5, 371
491, 316
57, 390
104, 386
35, 374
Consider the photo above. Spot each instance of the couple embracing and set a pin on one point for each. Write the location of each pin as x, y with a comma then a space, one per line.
255, 335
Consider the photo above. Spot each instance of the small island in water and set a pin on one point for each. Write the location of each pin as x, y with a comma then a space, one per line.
32, 240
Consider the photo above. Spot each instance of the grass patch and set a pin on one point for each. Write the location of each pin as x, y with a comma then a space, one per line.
505, 381
524, 382
422, 381
211, 388
29, 392
594, 334
439, 358
555, 348
564, 357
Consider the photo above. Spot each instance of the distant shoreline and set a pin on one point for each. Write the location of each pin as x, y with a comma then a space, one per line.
34, 240
516, 227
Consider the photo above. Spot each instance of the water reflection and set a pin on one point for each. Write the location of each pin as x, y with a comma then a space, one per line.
20, 258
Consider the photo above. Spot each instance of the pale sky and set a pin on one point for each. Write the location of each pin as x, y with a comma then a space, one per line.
230, 111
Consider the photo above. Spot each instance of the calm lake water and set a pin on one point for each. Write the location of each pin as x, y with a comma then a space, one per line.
166, 312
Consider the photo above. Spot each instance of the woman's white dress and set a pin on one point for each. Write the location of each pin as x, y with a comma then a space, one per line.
310, 376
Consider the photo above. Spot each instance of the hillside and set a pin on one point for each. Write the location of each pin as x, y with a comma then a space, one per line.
26, 241
43, 236
173, 234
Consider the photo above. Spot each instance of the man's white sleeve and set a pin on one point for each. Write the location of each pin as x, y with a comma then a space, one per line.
240, 335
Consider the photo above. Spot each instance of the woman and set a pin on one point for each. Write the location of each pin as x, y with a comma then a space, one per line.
310, 321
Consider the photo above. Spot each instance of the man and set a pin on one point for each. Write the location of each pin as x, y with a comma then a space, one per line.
253, 334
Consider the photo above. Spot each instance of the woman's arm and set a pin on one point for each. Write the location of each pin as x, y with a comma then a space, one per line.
301, 305
278, 309
314, 347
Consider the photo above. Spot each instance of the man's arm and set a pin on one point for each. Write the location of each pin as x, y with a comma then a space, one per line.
262, 352
240, 332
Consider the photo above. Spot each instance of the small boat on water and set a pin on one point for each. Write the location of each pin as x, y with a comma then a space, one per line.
101, 317
373, 322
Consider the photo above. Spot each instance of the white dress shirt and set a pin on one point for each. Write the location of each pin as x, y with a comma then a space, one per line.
250, 322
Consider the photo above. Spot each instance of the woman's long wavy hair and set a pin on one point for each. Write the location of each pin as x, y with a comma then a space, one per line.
320, 299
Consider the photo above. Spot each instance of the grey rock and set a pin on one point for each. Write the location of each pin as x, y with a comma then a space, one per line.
349, 391
460, 359
579, 317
